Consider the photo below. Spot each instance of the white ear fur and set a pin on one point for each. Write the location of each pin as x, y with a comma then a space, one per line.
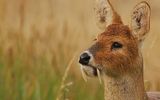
140, 20
105, 14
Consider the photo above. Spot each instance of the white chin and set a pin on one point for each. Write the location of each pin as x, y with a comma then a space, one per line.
89, 71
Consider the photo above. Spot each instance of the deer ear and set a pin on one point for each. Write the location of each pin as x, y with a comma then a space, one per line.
106, 14
140, 20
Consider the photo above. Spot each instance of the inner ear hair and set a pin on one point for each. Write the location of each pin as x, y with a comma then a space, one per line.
106, 14
140, 20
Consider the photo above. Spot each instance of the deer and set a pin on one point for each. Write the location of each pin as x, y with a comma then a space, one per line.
115, 56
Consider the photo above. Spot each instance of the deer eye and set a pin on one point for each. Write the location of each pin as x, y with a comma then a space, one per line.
116, 45
95, 39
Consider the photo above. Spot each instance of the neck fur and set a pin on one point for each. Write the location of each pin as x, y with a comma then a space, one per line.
126, 87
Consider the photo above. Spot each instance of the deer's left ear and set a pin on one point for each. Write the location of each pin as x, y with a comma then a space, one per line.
105, 14
140, 20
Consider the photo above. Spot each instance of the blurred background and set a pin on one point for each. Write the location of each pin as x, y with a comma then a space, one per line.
40, 42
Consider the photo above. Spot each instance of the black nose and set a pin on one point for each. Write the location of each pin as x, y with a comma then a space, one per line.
84, 59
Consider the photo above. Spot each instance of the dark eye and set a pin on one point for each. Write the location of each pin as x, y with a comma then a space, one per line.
116, 45
95, 39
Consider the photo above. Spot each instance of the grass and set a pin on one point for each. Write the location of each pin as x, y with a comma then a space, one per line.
38, 41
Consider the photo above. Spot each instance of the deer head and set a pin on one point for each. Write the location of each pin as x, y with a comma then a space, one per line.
116, 51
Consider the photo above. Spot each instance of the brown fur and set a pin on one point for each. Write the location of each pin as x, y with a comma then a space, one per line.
122, 68
120, 60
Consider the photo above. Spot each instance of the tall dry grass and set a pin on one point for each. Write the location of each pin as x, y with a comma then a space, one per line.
38, 38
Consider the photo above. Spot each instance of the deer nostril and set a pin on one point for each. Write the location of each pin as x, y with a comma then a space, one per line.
84, 59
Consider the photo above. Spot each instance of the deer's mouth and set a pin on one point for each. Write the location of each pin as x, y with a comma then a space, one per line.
92, 71
88, 67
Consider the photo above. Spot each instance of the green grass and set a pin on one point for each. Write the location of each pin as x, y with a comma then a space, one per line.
39, 84
35, 79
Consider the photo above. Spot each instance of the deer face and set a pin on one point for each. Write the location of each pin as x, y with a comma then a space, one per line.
113, 51
116, 50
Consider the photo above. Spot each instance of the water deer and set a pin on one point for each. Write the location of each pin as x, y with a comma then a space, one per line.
116, 55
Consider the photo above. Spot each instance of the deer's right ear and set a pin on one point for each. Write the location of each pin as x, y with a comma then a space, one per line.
106, 14
140, 20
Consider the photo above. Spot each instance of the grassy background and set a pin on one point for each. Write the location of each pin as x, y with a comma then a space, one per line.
38, 39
